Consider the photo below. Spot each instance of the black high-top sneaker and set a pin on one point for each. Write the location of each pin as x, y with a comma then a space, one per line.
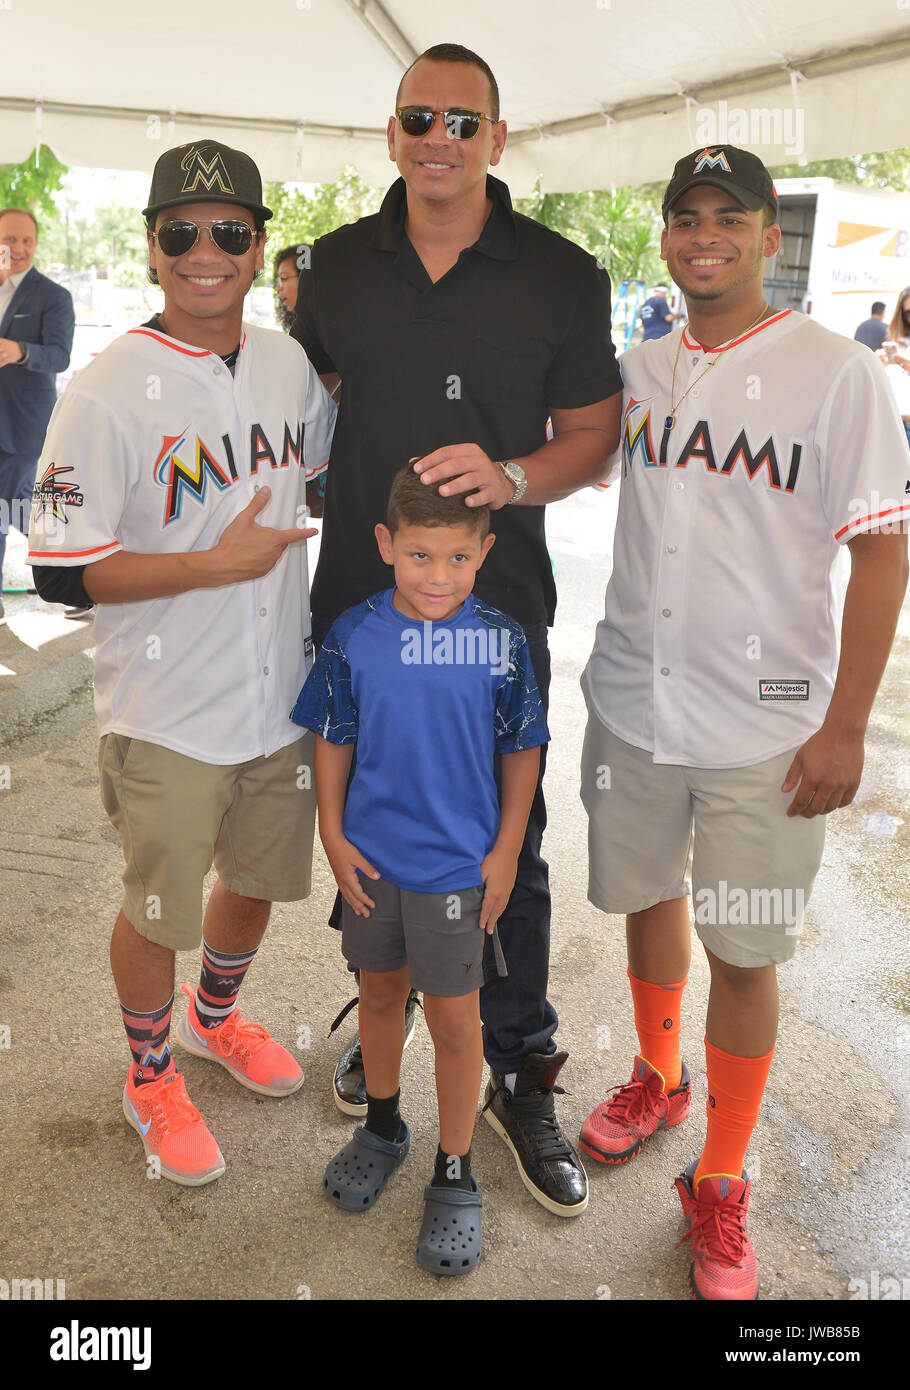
548, 1165
349, 1090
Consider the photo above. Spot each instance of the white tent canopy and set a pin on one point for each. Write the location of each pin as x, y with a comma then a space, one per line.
597, 93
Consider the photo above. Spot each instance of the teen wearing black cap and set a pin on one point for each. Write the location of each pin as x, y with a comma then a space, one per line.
160, 460
748, 447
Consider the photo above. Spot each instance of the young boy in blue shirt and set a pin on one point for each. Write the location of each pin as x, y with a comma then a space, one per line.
429, 684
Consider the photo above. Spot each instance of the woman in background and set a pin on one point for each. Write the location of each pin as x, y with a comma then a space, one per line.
895, 354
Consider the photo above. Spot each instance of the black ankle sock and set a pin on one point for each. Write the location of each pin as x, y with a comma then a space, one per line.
383, 1118
452, 1170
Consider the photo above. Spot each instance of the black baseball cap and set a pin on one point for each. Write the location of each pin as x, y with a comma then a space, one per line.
205, 171
724, 166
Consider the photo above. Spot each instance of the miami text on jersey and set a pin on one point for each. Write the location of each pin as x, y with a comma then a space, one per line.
182, 467
637, 443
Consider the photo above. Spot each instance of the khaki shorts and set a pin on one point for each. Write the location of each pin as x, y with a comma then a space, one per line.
177, 816
752, 866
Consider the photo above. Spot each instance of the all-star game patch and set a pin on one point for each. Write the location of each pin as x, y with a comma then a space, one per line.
54, 496
783, 690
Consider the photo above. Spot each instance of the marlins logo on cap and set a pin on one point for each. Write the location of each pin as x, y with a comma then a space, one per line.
739, 172
712, 159
208, 175
205, 171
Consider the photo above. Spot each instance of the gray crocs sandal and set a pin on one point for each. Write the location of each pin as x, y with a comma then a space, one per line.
356, 1176
451, 1230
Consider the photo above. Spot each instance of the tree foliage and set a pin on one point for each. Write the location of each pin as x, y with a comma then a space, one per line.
301, 218
109, 236
889, 169
621, 228
29, 186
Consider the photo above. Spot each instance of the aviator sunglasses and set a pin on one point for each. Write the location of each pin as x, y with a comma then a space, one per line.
460, 124
176, 238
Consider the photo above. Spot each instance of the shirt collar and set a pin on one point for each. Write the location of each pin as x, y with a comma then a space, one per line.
499, 237
15, 280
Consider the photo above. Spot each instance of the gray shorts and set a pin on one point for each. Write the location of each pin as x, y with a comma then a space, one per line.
752, 866
436, 935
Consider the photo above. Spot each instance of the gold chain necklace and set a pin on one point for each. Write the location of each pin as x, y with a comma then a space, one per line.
674, 405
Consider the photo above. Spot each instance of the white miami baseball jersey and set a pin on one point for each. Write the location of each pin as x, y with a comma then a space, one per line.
718, 645
155, 448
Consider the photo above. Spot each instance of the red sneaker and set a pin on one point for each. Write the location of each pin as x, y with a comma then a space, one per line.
172, 1130
723, 1261
616, 1130
247, 1050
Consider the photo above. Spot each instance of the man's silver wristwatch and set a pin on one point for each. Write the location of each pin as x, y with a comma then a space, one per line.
515, 474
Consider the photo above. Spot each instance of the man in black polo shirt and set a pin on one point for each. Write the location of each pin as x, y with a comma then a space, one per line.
457, 328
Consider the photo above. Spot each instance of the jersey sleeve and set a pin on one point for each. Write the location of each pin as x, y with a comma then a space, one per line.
326, 702
81, 484
584, 369
319, 426
519, 720
865, 466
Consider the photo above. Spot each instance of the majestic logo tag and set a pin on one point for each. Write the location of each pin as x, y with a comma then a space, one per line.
51, 495
712, 159
209, 174
783, 690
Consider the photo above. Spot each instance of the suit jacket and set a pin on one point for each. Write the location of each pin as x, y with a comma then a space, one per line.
40, 314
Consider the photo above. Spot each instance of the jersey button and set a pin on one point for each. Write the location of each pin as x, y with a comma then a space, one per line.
665, 612
265, 670
216, 371
679, 486
671, 549
665, 670
262, 612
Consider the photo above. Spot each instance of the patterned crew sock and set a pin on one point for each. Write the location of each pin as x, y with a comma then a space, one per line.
452, 1170
657, 1013
735, 1089
219, 983
148, 1039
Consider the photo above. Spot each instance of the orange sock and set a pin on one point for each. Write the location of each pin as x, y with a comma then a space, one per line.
657, 1010
735, 1088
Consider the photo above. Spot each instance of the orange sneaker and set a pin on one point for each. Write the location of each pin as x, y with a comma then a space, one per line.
616, 1130
172, 1130
723, 1261
247, 1050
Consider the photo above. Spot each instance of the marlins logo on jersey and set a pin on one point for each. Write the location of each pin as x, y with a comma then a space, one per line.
179, 476
207, 174
182, 467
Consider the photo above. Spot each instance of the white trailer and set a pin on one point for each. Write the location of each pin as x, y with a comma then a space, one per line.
843, 246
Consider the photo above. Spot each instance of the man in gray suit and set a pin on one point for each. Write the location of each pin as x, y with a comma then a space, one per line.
36, 336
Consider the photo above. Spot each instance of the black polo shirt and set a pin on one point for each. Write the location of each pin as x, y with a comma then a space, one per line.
518, 327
